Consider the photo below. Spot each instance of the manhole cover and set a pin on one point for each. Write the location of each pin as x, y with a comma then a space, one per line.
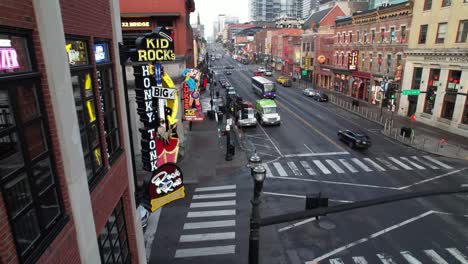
326, 224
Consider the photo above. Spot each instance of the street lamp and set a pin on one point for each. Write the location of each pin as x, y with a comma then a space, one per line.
254, 160
258, 175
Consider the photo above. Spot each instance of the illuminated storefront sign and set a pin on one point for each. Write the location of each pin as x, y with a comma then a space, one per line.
353, 59
192, 106
155, 46
165, 186
8, 59
126, 24
77, 54
321, 59
100, 53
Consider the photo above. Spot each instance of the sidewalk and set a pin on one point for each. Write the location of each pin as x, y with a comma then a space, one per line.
425, 137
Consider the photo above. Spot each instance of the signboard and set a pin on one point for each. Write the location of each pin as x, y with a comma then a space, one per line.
165, 93
304, 72
8, 59
155, 46
165, 186
411, 92
100, 53
126, 24
321, 59
306, 62
192, 105
353, 60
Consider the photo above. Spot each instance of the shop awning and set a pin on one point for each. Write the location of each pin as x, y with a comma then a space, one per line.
363, 75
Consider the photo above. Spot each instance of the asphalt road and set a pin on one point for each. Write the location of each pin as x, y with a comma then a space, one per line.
303, 156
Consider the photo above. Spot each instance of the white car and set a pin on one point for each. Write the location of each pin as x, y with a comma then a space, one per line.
268, 73
309, 92
261, 69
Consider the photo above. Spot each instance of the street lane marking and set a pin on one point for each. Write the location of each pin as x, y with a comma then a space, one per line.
431, 179
316, 154
211, 213
334, 166
365, 239
404, 166
336, 183
214, 195
206, 251
385, 259
294, 168
213, 204
207, 237
280, 169
359, 260
307, 167
388, 164
273, 143
215, 188
308, 148
267, 169
425, 163
458, 255
303, 222
348, 165
373, 163
309, 125
438, 162
362, 165
336, 261
209, 224
322, 167
410, 258
417, 166
436, 258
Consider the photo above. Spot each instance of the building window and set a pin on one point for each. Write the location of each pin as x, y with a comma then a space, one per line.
465, 112
427, 4
417, 74
441, 31
372, 36
422, 34
342, 59
431, 92
28, 181
370, 62
389, 62
107, 98
350, 37
398, 60
358, 36
380, 62
303, 47
338, 37
113, 239
86, 110
337, 59
462, 31
446, 3
453, 85
392, 35
382, 35
363, 64
365, 36
403, 34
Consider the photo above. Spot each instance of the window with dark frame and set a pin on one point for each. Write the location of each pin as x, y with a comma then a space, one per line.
372, 36
382, 35
86, 108
107, 98
441, 32
403, 34
113, 238
427, 5
446, 3
462, 32
350, 37
451, 92
422, 34
28, 181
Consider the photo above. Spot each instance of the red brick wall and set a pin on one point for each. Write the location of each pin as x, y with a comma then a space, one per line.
329, 19
20, 14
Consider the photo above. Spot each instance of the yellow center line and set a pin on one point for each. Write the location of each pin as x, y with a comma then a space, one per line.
311, 126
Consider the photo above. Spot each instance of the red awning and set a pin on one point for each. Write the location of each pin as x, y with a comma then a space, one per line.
364, 75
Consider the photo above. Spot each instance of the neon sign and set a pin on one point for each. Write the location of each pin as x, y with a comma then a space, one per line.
8, 59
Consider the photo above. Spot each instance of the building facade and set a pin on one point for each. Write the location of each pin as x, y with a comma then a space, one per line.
66, 183
437, 65
369, 52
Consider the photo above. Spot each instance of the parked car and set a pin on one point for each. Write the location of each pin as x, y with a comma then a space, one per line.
144, 215
321, 97
309, 92
261, 69
287, 83
281, 79
228, 72
356, 139
230, 91
229, 67
268, 73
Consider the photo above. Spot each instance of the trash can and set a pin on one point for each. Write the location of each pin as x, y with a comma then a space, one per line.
406, 131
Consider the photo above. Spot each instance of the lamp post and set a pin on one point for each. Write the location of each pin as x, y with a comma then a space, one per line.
254, 160
258, 175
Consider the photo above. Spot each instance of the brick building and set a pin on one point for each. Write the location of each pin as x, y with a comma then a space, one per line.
67, 193
369, 51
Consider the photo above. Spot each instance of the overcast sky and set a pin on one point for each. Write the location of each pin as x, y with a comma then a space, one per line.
210, 9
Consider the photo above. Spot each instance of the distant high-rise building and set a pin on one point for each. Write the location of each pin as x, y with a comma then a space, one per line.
308, 7
265, 10
377, 3
221, 22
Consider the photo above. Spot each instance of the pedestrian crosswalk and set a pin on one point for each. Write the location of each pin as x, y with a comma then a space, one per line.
352, 165
210, 224
429, 256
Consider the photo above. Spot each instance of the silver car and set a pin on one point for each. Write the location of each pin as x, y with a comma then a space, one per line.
309, 92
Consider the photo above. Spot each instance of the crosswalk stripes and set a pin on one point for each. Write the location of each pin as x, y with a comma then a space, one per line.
424, 256
322, 167
212, 209
361, 165
341, 166
438, 162
334, 166
307, 167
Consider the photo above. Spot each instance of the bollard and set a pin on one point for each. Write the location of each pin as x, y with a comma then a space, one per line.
424, 142
381, 118
411, 139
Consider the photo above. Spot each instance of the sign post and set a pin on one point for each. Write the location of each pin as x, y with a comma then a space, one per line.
411, 92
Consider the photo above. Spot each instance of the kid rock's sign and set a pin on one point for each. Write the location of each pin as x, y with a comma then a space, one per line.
155, 46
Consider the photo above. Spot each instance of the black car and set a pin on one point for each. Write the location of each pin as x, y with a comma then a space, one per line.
229, 67
355, 139
321, 97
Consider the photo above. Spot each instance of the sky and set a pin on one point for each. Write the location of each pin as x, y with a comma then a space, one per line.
210, 9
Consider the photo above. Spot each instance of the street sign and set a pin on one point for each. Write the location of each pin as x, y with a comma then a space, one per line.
304, 72
411, 92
